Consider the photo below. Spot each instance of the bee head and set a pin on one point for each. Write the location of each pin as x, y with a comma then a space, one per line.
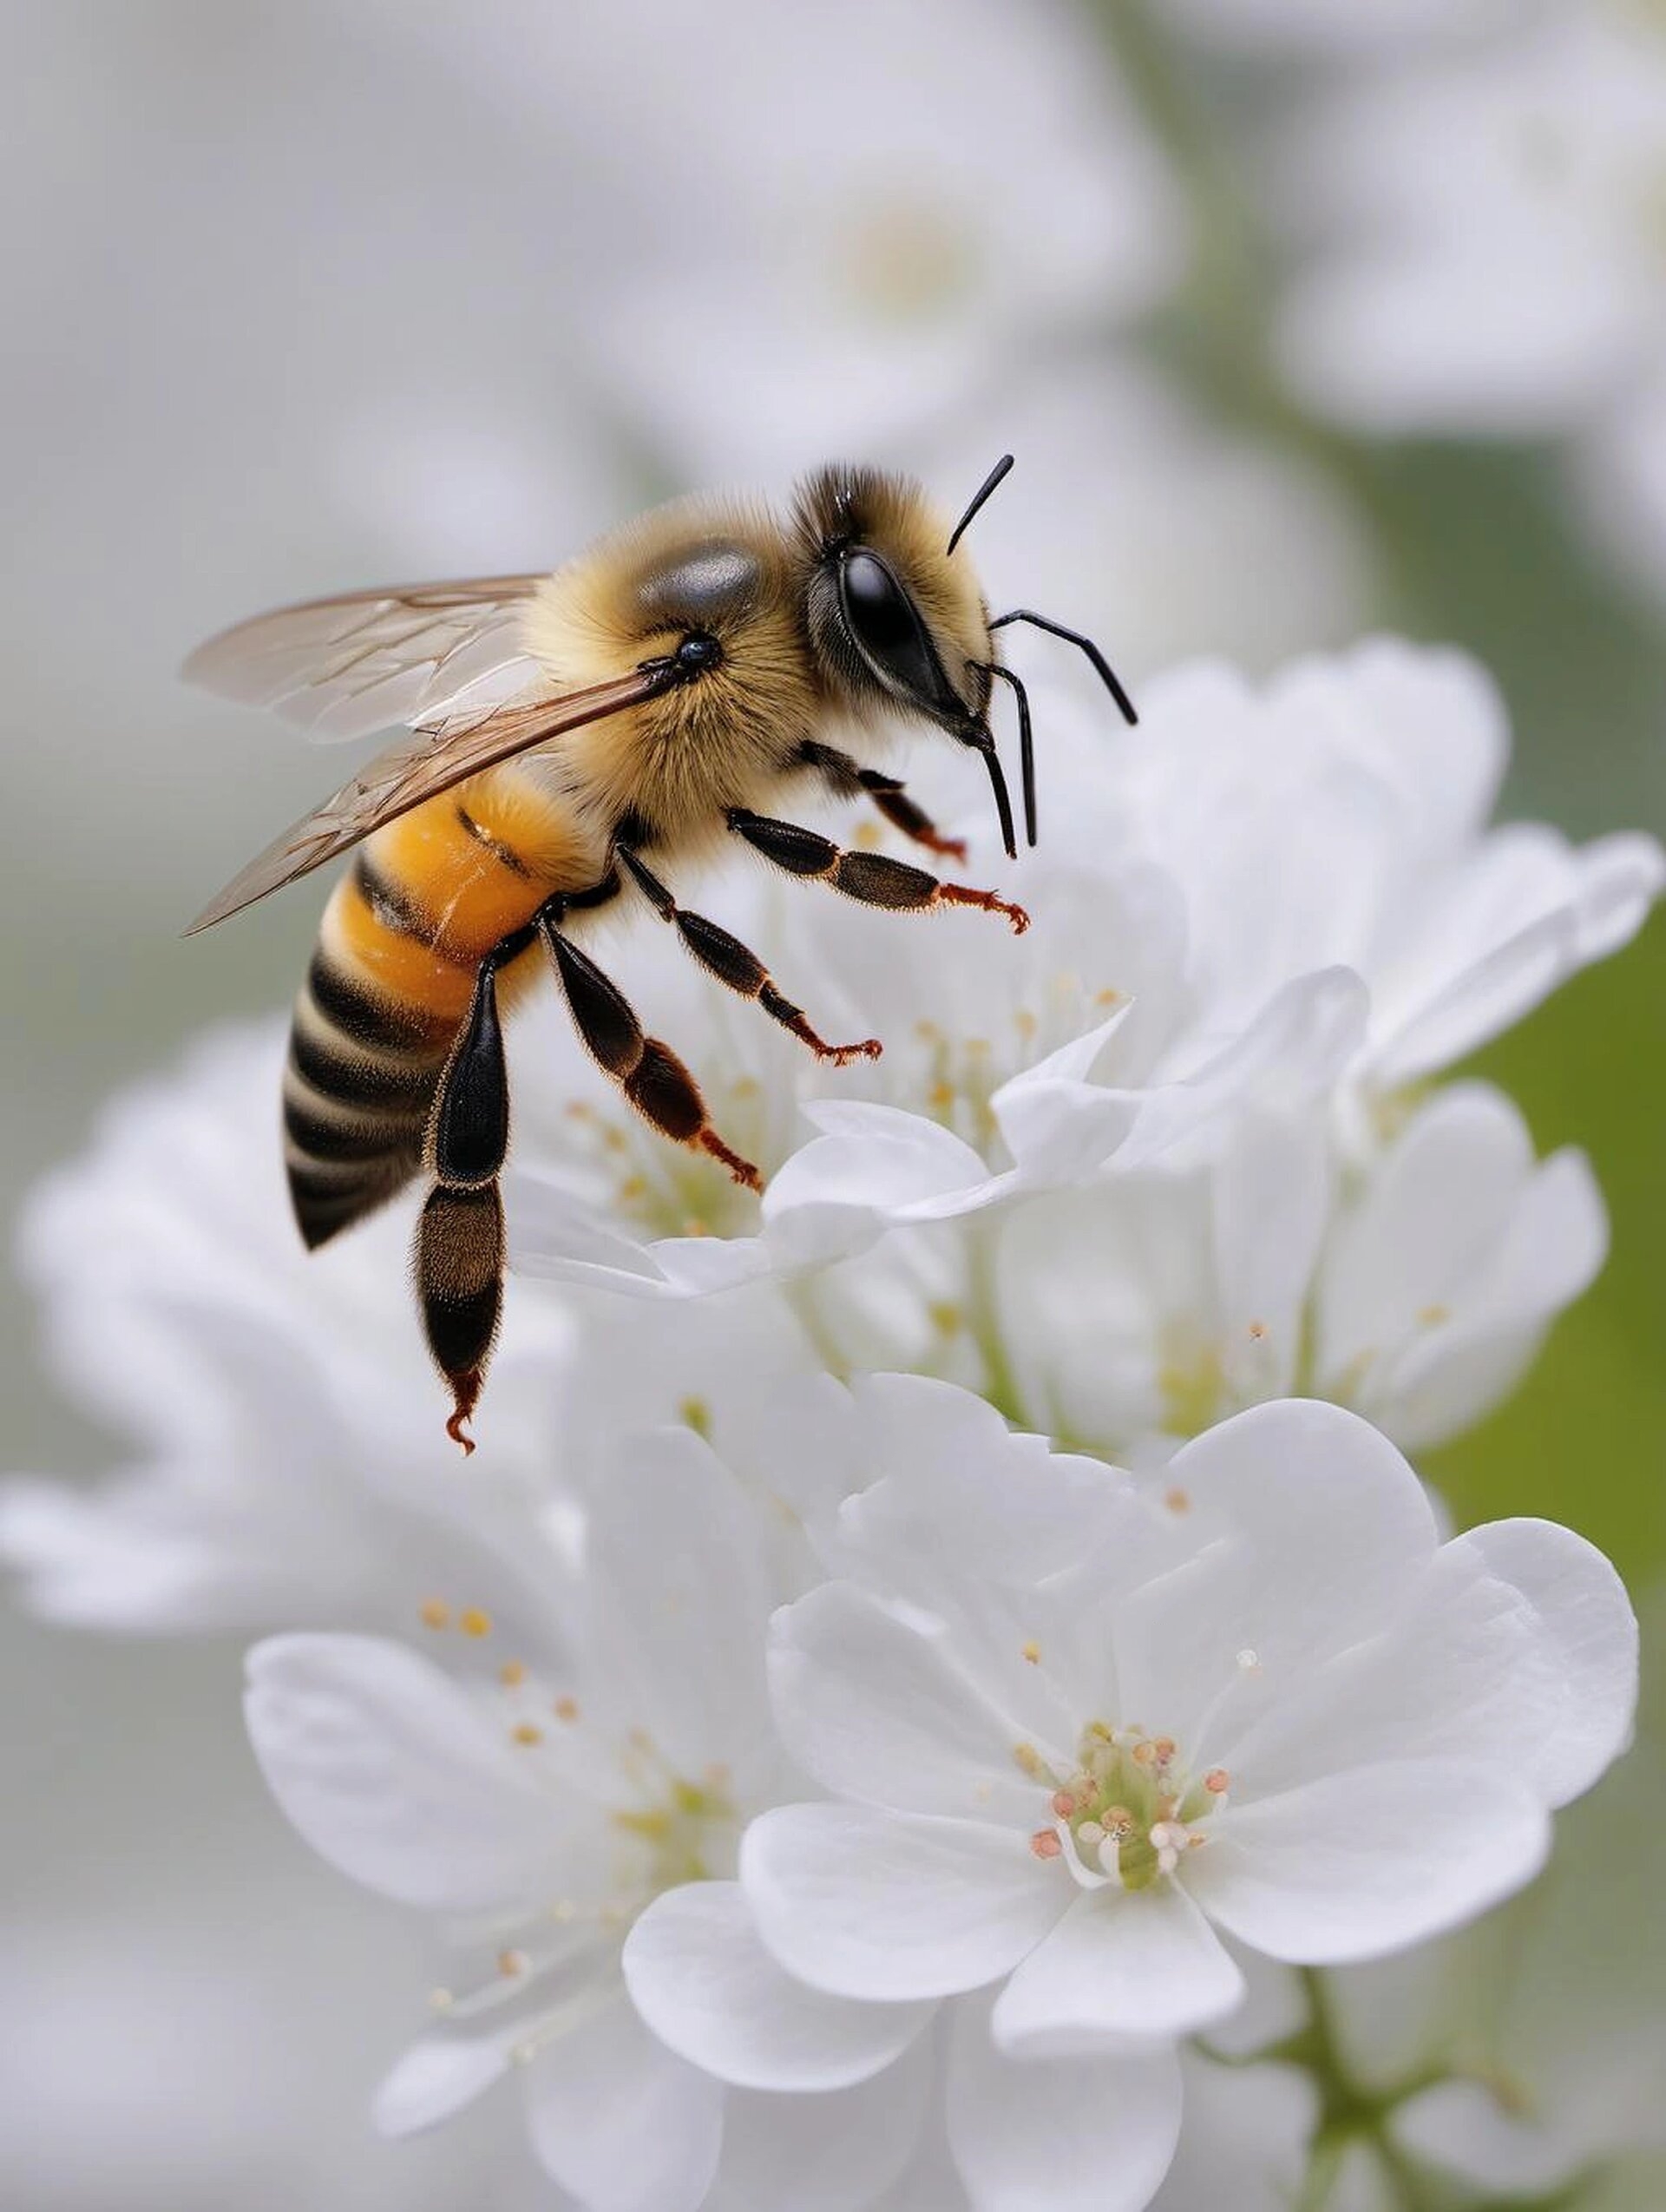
896, 620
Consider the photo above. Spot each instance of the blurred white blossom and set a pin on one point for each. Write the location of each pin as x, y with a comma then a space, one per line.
288, 1468
1523, 2058
538, 1792
1482, 231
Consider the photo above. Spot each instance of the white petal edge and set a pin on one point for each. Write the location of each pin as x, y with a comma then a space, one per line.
699, 1975
1362, 1863
1118, 1966
388, 1770
887, 1908
621, 2121
1058, 2135
1583, 1607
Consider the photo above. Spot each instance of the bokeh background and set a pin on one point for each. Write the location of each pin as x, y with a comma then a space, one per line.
1303, 317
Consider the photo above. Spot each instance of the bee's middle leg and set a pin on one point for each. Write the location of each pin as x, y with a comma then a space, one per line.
850, 780
733, 963
650, 1075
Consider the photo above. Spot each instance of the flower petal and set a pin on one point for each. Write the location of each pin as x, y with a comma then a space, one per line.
886, 1907
1359, 1864
1584, 1612
1147, 1966
437, 2077
676, 1637
833, 2153
621, 2121
387, 1770
876, 1710
1058, 2135
702, 1979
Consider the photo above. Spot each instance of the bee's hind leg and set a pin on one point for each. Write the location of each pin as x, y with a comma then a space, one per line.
733, 963
650, 1075
459, 1258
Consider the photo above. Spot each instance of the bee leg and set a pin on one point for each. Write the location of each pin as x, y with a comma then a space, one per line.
873, 877
459, 1256
649, 1072
849, 781
731, 963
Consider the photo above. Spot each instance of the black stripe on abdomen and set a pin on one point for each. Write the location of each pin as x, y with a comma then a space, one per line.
357, 1092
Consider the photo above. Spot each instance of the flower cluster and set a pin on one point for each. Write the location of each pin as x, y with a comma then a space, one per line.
926, 1665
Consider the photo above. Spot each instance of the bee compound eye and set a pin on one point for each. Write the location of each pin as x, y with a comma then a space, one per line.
884, 624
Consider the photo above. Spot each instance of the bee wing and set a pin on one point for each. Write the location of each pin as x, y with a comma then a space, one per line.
340, 668
419, 767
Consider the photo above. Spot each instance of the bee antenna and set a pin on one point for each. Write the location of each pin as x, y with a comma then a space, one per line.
982, 493
1101, 667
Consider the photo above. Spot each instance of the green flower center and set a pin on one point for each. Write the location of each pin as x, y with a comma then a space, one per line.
1130, 1809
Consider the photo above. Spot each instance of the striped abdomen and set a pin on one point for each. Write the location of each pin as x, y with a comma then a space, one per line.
403, 938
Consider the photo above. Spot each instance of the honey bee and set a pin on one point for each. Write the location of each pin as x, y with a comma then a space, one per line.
572, 738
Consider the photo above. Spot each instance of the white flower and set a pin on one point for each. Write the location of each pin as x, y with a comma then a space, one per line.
1416, 1288
1485, 232
896, 262
1259, 894
801, 238
1077, 1737
537, 1785
1340, 815
291, 1465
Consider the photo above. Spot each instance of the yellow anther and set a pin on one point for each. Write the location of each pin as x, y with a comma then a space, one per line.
1032, 1652
526, 1732
435, 1613
474, 1621
512, 1964
697, 1415
946, 1317
1433, 1317
511, 1674
566, 1709
1178, 1501
1028, 1759
633, 1188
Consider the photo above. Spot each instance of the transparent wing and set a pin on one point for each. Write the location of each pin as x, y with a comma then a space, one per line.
341, 668
419, 767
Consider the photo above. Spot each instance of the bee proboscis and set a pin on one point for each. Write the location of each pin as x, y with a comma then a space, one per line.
664, 691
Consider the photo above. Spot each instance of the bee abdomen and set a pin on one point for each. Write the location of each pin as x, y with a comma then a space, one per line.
357, 1092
